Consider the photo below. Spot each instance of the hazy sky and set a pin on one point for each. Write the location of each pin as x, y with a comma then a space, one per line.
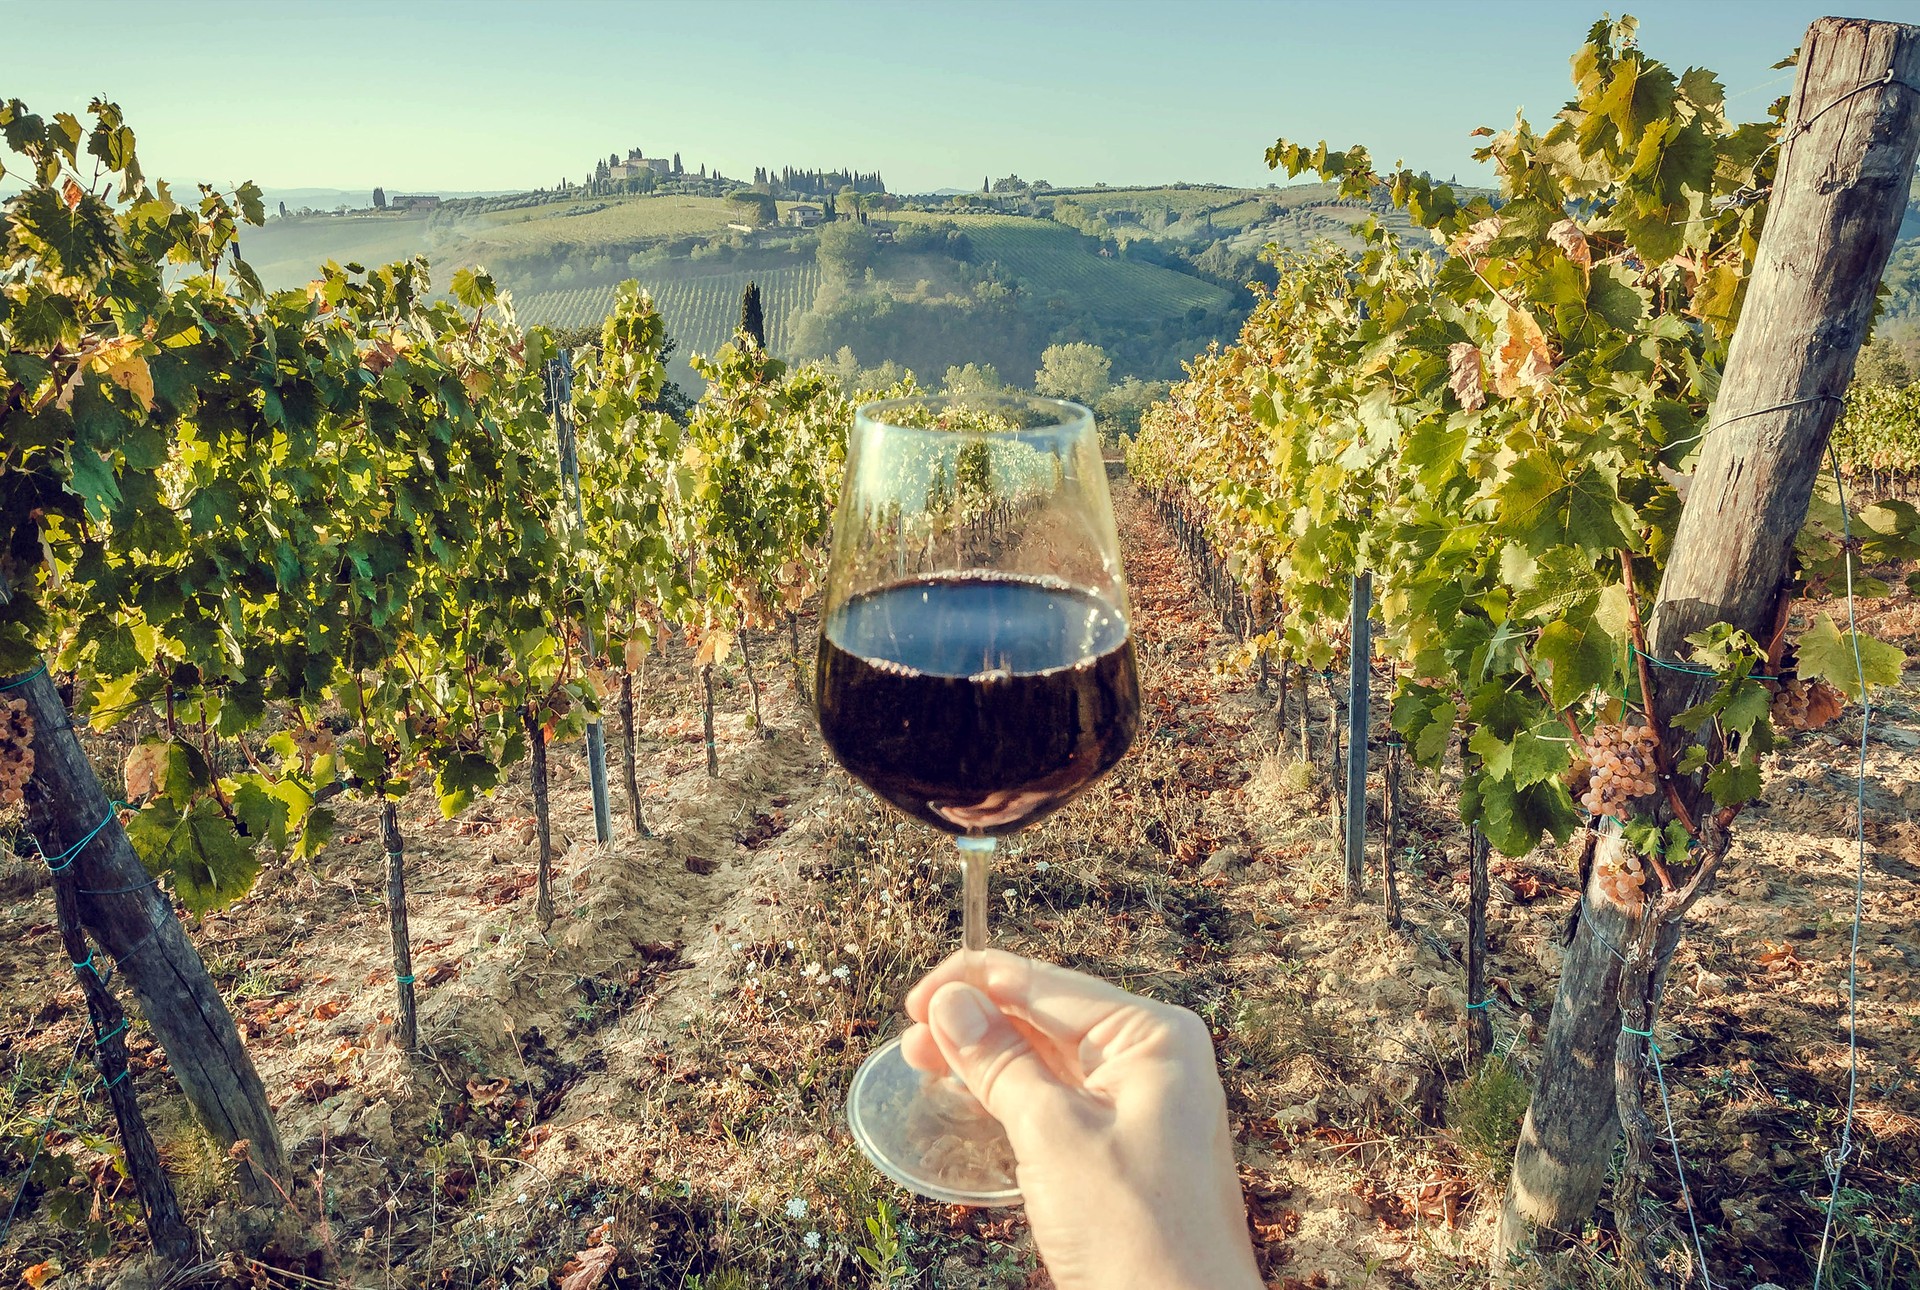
485, 94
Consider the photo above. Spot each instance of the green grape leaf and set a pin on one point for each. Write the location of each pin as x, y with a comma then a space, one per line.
1579, 657
1826, 652
315, 832
1734, 780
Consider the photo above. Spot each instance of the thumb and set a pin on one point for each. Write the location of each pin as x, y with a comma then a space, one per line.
991, 1057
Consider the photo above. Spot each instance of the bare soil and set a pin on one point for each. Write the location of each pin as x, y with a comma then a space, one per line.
649, 1092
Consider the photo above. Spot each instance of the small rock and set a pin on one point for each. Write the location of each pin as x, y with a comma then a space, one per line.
377, 1125
1307, 1112
1225, 862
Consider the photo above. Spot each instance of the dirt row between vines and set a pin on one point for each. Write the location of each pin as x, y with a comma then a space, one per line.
649, 1093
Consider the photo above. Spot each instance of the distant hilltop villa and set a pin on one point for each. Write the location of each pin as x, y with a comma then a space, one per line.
634, 165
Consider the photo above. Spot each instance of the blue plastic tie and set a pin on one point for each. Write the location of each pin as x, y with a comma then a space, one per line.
99, 1040
22, 680
124, 1072
1674, 666
405, 980
61, 862
1484, 1003
86, 963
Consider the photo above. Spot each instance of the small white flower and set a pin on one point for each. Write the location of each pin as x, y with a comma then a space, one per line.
736, 945
797, 1207
789, 944
522, 1198
1041, 866
812, 970
842, 972
746, 1071
646, 1191
783, 994
812, 1240
852, 949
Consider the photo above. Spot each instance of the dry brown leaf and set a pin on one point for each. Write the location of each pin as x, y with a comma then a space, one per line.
636, 652
144, 768
328, 1010
1478, 238
589, 1267
71, 193
1521, 360
41, 1273
715, 648
1567, 236
1463, 376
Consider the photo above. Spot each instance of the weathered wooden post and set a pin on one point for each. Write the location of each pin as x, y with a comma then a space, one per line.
1846, 161
165, 1227
125, 913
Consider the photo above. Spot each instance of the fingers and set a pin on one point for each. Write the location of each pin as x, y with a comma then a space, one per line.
922, 1051
992, 1058
1061, 1005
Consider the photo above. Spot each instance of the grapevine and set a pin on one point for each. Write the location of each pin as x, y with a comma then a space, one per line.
1493, 428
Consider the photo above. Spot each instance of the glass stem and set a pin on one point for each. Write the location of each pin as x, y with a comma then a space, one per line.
975, 855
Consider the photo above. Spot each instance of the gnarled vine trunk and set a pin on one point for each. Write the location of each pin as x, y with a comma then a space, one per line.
1846, 160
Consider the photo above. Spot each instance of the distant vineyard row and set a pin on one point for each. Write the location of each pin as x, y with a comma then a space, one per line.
701, 313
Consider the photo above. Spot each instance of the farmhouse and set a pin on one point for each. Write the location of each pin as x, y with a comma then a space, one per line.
803, 215
413, 202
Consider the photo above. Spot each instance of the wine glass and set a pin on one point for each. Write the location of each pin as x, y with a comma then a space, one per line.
976, 671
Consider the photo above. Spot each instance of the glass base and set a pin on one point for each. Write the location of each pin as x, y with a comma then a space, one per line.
929, 1135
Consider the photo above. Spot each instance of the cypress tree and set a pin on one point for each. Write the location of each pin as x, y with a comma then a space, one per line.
751, 320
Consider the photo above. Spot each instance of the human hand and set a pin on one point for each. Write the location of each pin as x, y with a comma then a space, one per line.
1115, 1113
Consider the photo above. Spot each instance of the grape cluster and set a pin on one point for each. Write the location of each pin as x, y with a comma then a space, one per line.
1620, 768
1806, 705
16, 751
1619, 878
310, 743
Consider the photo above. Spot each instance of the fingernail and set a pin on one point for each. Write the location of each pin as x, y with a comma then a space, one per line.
961, 1015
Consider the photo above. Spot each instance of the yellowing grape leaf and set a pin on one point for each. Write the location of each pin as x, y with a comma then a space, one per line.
1521, 360
41, 1273
1463, 375
715, 648
636, 651
1567, 236
131, 373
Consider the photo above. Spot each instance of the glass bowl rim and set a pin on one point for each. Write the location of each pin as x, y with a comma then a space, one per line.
1070, 418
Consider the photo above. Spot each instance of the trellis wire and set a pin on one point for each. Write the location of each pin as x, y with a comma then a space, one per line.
1836, 1159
